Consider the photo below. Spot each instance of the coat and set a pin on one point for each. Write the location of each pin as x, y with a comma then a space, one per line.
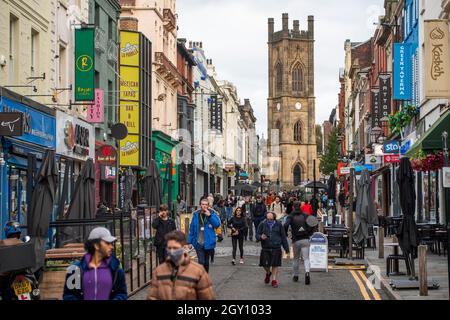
211, 223
119, 288
189, 281
276, 237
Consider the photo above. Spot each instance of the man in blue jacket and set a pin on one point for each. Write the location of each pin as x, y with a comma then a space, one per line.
202, 235
97, 276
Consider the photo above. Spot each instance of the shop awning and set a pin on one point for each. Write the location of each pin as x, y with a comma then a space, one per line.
432, 139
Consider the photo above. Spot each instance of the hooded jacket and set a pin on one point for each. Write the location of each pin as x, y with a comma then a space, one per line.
212, 222
119, 286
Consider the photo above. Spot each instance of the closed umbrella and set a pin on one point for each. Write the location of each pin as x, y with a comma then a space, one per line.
129, 185
82, 204
331, 188
407, 233
365, 209
153, 185
42, 205
317, 185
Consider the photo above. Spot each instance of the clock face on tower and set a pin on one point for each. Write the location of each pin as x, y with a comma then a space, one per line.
298, 106
278, 106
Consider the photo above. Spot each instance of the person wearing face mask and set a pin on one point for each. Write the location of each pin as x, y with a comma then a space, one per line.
179, 278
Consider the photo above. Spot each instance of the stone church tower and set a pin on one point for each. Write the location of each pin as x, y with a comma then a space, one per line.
291, 102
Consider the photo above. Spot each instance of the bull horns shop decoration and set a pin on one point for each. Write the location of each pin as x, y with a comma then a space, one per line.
84, 64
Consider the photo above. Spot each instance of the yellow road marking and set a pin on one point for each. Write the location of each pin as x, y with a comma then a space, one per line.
361, 286
350, 267
370, 286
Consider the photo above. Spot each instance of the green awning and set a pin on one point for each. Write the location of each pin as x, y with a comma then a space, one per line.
432, 139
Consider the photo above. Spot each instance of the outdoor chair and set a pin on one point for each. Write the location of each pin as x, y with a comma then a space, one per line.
390, 263
336, 242
371, 240
427, 236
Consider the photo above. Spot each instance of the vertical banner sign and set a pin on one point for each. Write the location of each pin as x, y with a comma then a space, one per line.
385, 95
219, 114
402, 71
375, 108
95, 111
213, 112
437, 60
130, 97
84, 64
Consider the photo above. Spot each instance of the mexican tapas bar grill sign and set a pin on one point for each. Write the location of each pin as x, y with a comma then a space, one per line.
106, 155
84, 64
11, 123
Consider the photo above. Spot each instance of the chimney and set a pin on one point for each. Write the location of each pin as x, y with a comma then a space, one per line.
129, 23
271, 28
285, 23
311, 26
201, 45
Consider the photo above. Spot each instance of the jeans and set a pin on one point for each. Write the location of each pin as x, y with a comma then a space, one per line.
249, 228
234, 241
161, 253
301, 246
203, 256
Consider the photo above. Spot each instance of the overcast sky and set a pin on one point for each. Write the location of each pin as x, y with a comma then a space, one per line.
234, 35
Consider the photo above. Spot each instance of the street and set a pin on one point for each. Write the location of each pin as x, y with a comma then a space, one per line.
245, 282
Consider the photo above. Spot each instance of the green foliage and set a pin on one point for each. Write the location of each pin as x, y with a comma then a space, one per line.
329, 160
402, 118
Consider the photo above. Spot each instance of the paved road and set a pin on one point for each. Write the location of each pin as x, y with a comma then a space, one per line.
245, 282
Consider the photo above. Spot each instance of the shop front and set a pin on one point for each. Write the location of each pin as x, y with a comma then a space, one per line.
21, 156
105, 175
75, 143
165, 157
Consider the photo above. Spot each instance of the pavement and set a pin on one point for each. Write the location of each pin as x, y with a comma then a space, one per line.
246, 282
436, 270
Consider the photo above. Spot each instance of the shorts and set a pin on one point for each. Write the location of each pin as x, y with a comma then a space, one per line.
270, 258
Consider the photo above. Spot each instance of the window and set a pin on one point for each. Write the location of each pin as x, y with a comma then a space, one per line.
34, 51
111, 105
97, 15
279, 77
13, 42
297, 79
298, 132
62, 78
278, 126
111, 29
297, 175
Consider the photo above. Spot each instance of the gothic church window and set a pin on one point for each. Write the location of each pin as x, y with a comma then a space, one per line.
298, 132
297, 79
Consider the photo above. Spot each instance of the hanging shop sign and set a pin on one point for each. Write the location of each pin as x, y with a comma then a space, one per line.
406, 145
75, 138
437, 59
37, 127
402, 71
95, 111
446, 177
392, 158
376, 108
385, 96
129, 151
344, 170
106, 155
11, 124
373, 159
391, 146
84, 64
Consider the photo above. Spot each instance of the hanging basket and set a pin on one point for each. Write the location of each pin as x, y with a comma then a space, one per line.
427, 162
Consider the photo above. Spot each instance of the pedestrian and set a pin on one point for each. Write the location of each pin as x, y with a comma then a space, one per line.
269, 199
341, 199
240, 202
259, 212
272, 235
247, 214
179, 278
202, 236
162, 225
290, 206
301, 232
237, 224
179, 208
97, 276
229, 204
210, 200
307, 208
221, 211
278, 207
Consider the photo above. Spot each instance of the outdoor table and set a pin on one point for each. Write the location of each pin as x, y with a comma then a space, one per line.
396, 264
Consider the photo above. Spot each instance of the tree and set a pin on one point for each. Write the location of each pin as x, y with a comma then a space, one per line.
319, 139
329, 160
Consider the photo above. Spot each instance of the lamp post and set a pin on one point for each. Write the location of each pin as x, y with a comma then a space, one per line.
447, 200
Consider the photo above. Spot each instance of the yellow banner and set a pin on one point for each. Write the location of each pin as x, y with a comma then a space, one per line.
129, 83
129, 48
129, 151
129, 116
437, 60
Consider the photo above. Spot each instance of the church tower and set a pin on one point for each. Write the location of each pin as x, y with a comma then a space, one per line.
291, 102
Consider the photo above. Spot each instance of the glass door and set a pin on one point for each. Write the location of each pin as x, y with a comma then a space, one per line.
17, 208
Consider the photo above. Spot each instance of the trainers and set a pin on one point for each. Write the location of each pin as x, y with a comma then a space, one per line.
241, 261
295, 278
267, 279
307, 278
274, 283
233, 262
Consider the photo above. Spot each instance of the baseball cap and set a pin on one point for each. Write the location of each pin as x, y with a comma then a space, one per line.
101, 233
